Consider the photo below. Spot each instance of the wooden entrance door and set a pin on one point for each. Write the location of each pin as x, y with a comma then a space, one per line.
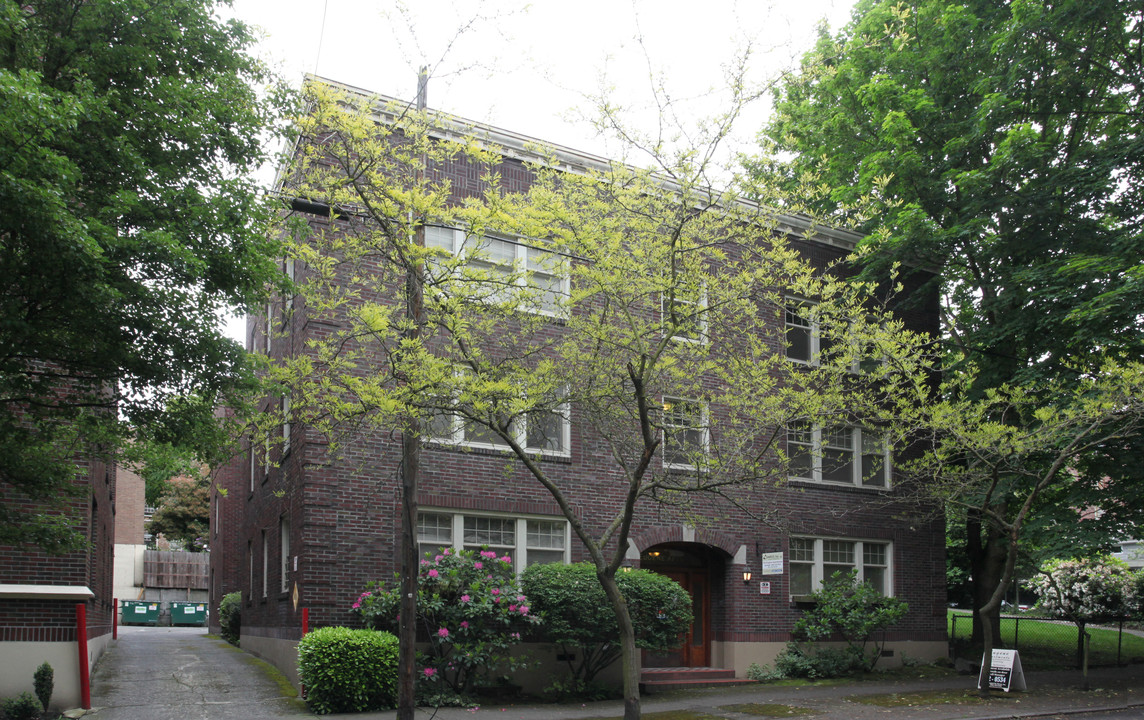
695, 645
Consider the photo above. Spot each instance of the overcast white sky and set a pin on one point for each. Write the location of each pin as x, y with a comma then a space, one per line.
528, 68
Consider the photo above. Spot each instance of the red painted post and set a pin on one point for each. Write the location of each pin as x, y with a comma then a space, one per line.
81, 636
114, 618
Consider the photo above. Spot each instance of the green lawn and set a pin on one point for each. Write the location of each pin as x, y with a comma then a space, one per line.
1050, 645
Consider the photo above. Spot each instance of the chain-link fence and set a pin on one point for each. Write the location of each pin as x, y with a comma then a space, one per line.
1048, 643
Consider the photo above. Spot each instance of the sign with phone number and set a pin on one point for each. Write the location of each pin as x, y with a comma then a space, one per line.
1005, 671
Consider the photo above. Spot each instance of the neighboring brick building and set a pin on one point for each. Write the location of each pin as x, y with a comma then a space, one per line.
39, 594
305, 530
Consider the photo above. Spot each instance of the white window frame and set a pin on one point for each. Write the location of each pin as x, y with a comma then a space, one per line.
286, 428
457, 242
669, 402
520, 546
818, 447
284, 551
799, 309
700, 305
265, 565
819, 566
455, 433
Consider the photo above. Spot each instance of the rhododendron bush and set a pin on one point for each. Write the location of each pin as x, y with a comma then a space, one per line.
471, 613
1085, 589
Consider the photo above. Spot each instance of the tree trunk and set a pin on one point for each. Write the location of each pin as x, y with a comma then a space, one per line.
987, 549
629, 658
1080, 658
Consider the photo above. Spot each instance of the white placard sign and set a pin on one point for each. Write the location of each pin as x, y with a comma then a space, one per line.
772, 563
1005, 672
764, 588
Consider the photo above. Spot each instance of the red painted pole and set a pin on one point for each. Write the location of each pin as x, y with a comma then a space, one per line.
114, 618
81, 636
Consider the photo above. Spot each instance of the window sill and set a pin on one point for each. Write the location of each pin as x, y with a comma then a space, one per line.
492, 451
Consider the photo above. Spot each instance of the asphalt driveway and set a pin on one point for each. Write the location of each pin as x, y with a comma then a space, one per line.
181, 673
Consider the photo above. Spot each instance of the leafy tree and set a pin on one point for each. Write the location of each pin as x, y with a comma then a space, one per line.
853, 611
577, 616
183, 515
1083, 590
1014, 444
663, 275
127, 133
997, 143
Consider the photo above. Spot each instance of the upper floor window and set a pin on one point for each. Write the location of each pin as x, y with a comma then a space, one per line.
545, 431
684, 315
844, 455
804, 340
813, 560
508, 263
685, 437
526, 540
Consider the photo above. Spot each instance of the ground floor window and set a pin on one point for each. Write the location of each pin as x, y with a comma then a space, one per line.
814, 559
527, 540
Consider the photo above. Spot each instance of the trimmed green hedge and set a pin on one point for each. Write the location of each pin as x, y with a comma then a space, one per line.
230, 617
346, 670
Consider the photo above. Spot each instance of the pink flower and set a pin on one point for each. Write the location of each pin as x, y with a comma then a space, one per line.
516, 636
446, 551
521, 598
496, 591
496, 600
523, 609
438, 558
443, 633
506, 559
489, 554
356, 605
512, 608
478, 565
423, 564
433, 573
464, 624
430, 672
465, 598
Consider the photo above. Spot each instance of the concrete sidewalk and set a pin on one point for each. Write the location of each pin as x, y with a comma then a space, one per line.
183, 673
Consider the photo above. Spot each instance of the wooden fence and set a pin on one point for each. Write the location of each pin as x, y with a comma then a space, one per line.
173, 569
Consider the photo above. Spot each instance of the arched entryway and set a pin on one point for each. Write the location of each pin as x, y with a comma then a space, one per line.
699, 569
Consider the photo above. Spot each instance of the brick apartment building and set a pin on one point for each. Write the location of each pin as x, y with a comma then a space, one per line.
39, 595
307, 530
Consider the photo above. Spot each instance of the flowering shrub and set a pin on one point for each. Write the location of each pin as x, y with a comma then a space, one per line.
1085, 589
1082, 590
470, 611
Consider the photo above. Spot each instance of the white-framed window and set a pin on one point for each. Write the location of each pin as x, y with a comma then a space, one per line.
804, 340
265, 565
285, 424
685, 433
284, 547
515, 262
813, 560
527, 540
269, 325
841, 455
686, 314
547, 431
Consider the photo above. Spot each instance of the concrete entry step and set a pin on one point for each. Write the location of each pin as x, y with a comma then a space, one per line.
654, 680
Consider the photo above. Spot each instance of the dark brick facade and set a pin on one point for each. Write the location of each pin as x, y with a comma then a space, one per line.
343, 513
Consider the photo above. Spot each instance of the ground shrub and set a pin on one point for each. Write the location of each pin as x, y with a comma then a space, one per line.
578, 617
817, 663
230, 617
346, 670
44, 682
23, 707
852, 611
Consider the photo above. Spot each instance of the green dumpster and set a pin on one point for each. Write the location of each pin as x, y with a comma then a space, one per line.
184, 612
138, 612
